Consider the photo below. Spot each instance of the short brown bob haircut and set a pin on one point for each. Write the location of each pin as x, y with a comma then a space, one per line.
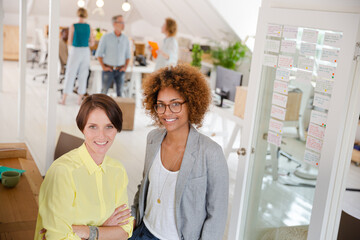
185, 79
81, 12
103, 102
171, 26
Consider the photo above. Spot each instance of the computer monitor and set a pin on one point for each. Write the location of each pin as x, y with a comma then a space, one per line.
226, 82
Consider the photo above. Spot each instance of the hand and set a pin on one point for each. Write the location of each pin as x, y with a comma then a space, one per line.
119, 217
122, 69
107, 69
43, 231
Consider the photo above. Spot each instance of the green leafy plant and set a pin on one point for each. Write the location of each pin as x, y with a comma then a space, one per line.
229, 56
196, 55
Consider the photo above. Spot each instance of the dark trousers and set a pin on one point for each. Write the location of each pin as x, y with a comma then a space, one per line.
109, 77
142, 233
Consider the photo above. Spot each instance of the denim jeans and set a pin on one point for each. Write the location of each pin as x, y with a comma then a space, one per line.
142, 233
109, 77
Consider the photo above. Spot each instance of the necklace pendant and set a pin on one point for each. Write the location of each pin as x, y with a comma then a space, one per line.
158, 201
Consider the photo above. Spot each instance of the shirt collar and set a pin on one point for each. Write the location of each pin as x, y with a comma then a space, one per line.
89, 163
113, 32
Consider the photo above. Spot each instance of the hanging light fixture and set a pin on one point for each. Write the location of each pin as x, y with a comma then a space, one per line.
126, 6
100, 3
81, 3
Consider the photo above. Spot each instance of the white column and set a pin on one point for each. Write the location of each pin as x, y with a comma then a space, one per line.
54, 16
1, 43
22, 64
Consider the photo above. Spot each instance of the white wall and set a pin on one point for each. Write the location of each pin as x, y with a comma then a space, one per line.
241, 15
351, 6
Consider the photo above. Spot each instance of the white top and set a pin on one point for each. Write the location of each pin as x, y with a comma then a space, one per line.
160, 218
170, 47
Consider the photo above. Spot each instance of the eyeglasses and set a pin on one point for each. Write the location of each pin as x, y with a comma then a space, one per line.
119, 22
174, 107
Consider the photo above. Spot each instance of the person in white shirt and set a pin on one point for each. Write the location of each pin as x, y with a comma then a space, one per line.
168, 52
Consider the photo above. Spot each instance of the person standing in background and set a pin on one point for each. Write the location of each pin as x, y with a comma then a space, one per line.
113, 54
80, 37
63, 49
168, 53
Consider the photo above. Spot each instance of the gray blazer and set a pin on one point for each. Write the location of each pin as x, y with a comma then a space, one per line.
202, 187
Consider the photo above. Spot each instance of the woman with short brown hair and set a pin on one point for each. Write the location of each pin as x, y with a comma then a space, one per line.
84, 193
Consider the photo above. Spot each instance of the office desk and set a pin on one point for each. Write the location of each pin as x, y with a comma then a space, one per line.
228, 114
19, 205
135, 81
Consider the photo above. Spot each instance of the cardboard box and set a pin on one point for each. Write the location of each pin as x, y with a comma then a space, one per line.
293, 106
127, 106
139, 49
240, 101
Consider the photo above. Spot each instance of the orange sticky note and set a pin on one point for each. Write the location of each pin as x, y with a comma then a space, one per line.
154, 47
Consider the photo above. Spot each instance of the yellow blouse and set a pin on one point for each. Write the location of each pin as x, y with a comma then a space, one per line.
76, 191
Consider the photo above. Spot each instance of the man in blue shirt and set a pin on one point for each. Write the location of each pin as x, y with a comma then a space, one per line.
113, 54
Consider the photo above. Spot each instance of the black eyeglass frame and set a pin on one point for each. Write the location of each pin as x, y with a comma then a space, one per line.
168, 105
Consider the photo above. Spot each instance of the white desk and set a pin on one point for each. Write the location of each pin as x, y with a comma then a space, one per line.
228, 113
135, 81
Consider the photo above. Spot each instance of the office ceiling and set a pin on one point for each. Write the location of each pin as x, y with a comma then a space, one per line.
197, 18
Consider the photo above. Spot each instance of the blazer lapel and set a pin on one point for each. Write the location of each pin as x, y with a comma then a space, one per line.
153, 148
186, 165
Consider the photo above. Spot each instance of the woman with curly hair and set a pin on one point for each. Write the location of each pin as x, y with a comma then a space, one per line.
184, 191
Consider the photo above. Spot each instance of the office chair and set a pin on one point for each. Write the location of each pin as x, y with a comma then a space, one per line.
43, 54
34, 54
66, 142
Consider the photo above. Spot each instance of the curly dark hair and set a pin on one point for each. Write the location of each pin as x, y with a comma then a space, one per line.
185, 79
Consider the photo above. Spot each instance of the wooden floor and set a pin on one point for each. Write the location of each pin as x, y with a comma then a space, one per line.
290, 206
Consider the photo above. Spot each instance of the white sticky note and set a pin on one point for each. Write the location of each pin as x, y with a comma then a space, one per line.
270, 60
281, 87
321, 101
285, 61
278, 112
274, 30
308, 49
279, 99
327, 72
324, 86
310, 36
275, 125
290, 32
274, 138
313, 144
332, 39
303, 76
282, 74
311, 157
329, 55
316, 131
272, 46
288, 46
306, 63
318, 118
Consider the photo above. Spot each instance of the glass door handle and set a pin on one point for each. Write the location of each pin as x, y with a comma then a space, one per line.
241, 151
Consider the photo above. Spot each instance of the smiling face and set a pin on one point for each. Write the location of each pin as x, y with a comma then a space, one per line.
99, 134
173, 121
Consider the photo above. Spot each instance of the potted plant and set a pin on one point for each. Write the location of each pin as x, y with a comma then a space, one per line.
196, 55
228, 57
